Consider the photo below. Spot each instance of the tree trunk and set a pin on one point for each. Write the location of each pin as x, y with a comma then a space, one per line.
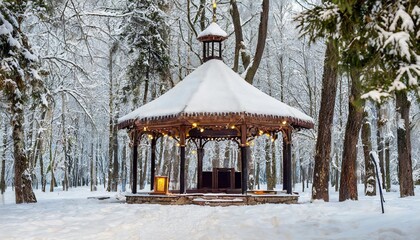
52, 183
348, 181
302, 177
337, 174
23, 183
124, 166
110, 154
226, 160
43, 178
92, 169
273, 179
326, 116
143, 177
216, 157
387, 165
251, 169
262, 36
69, 162
257, 178
405, 170
268, 161
64, 142
115, 167
162, 156
339, 144
240, 48
370, 182
111, 186
131, 167
294, 172
380, 142
3, 161
202, 9
174, 165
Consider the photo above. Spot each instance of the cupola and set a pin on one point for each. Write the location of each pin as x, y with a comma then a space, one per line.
212, 38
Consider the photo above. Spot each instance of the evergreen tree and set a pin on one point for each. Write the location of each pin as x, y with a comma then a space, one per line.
380, 51
19, 81
380, 38
146, 34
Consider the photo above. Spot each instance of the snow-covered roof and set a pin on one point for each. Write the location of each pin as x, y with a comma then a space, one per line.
212, 30
214, 89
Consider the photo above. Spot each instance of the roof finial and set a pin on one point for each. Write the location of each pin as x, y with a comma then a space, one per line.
214, 10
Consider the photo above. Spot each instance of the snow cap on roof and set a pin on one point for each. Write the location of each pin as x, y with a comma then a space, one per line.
213, 30
213, 88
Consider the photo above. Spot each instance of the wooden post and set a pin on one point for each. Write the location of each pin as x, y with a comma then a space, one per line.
134, 167
244, 170
153, 163
284, 161
200, 156
204, 52
244, 160
182, 162
287, 161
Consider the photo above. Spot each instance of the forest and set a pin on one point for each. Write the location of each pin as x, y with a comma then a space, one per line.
71, 68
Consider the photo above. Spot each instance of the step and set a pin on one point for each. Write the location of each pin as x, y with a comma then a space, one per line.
218, 201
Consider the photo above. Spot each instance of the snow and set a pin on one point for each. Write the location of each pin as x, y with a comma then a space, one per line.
331, 12
29, 56
13, 42
397, 84
71, 215
407, 23
214, 30
411, 71
5, 28
400, 40
214, 88
401, 122
44, 100
375, 95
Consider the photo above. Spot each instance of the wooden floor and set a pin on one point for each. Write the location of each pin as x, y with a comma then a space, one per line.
213, 199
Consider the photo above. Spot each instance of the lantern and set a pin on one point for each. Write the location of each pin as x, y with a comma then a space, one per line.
161, 185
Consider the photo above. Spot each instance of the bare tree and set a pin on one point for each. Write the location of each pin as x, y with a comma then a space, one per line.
3, 160
250, 66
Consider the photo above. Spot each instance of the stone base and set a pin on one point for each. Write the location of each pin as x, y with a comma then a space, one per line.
212, 199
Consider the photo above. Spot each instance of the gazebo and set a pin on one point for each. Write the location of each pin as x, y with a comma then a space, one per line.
214, 103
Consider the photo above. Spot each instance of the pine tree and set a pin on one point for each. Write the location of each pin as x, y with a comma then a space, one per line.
19, 81
379, 45
146, 34
384, 34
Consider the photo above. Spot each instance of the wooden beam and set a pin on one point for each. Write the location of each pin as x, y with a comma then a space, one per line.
244, 159
152, 163
200, 157
182, 171
287, 160
212, 120
244, 170
134, 167
210, 133
182, 144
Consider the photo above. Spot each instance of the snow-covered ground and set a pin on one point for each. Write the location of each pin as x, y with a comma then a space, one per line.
71, 215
